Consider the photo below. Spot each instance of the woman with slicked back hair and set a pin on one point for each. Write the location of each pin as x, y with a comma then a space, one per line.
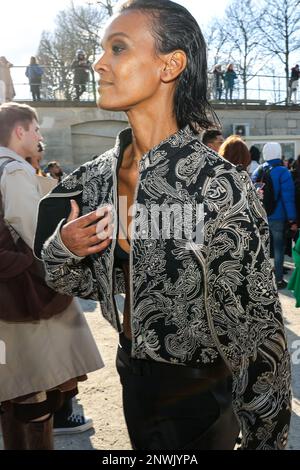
163, 219
173, 29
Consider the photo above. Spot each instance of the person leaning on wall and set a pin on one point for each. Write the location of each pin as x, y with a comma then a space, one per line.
7, 89
34, 73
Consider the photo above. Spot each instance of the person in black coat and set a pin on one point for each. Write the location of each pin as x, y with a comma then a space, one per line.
81, 67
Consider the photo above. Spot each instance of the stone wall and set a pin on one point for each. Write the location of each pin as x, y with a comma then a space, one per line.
269, 124
75, 132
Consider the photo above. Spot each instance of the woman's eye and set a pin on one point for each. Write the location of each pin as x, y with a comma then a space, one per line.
117, 49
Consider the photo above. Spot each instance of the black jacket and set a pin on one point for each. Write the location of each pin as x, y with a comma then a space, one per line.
201, 292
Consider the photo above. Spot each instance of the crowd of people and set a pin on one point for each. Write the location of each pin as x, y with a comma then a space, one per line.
81, 68
274, 174
202, 354
225, 80
222, 82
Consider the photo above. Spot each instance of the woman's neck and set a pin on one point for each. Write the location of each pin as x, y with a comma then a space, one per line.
149, 129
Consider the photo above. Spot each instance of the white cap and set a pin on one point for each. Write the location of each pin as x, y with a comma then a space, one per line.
271, 151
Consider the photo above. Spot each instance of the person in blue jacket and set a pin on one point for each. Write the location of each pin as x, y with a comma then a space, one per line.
285, 210
34, 74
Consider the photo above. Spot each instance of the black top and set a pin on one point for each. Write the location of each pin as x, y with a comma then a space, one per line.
121, 256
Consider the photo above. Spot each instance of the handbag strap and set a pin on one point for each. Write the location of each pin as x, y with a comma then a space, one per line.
2, 166
13, 231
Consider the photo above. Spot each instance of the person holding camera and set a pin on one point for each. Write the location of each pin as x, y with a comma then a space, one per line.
81, 67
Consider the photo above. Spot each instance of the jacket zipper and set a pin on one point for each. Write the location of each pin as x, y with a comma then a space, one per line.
131, 255
113, 245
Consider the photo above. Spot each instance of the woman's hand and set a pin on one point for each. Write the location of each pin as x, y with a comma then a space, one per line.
88, 234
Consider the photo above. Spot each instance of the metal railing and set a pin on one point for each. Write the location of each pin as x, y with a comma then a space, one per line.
261, 89
58, 84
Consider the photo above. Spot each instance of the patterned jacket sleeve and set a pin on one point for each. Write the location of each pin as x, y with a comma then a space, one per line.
66, 272
258, 212
246, 317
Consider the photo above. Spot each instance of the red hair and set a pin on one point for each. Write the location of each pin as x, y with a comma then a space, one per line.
235, 151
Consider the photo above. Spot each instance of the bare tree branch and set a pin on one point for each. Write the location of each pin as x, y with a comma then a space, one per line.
76, 28
280, 25
243, 39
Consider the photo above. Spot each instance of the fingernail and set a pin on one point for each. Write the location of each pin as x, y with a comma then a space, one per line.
99, 212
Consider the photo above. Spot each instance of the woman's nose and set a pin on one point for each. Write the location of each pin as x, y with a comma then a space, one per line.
99, 63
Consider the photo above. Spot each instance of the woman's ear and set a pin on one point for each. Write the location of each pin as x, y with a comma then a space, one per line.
174, 64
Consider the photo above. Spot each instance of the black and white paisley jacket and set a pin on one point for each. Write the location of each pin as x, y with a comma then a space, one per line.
206, 294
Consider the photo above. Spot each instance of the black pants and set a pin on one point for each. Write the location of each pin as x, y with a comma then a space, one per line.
64, 411
80, 89
35, 91
174, 412
55, 401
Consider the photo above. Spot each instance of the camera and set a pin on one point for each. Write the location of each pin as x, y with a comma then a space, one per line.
41, 147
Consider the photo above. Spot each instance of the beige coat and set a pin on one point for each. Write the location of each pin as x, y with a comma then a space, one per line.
5, 78
44, 354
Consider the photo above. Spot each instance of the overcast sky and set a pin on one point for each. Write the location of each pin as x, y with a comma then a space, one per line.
22, 22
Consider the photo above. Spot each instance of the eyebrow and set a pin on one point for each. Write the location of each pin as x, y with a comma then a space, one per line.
111, 36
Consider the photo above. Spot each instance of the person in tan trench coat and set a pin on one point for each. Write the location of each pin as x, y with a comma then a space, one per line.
6, 83
45, 359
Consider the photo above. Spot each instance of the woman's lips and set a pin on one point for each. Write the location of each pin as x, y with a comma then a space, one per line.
103, 83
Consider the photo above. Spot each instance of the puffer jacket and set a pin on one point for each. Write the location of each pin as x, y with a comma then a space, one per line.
284, 190
197, 294
34, 73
